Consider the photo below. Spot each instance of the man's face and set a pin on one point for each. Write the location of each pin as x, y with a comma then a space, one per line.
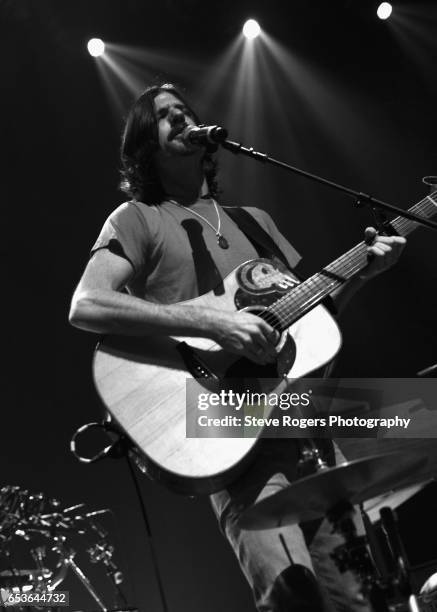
172, 118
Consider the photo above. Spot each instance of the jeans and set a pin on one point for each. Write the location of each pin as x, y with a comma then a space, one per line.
294, 572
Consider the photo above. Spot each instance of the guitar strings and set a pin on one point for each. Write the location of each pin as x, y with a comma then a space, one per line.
355, 264
282, 306
282, 309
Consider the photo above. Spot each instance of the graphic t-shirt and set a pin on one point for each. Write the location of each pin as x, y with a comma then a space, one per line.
175, 254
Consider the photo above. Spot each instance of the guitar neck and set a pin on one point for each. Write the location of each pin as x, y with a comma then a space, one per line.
311, 292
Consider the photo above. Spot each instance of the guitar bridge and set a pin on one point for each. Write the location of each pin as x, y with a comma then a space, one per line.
195, 366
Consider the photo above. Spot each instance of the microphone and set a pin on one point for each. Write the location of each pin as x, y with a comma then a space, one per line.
204, 134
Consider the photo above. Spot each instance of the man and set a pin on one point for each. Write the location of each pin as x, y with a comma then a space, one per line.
173, 242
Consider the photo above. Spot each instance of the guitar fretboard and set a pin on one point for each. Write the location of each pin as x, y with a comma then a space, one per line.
311, 292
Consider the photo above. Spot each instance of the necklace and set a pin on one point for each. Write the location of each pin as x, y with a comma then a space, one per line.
221, 240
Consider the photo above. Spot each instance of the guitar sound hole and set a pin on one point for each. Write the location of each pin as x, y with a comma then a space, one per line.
246, 375
244, 368
270, 318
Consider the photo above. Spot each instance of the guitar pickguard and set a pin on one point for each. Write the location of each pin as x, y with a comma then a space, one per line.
261, 282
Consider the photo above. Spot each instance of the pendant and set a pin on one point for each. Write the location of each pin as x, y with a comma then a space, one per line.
222, 242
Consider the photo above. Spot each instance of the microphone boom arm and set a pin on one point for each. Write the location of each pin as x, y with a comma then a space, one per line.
361, 199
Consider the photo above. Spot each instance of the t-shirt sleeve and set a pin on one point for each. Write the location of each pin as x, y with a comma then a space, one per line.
125, 233
265, 220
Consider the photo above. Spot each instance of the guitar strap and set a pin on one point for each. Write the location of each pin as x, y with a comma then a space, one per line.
264, 243
261, 240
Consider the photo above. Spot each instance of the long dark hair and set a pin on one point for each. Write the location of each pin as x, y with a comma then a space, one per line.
140, 179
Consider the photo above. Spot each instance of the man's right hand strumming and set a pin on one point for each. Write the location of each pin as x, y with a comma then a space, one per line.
245, 334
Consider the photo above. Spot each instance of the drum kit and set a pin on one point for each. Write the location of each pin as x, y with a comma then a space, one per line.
47, 529
371, 485
377, 557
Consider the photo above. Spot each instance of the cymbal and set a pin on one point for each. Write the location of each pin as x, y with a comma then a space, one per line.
392, 498
16, 572
312, 497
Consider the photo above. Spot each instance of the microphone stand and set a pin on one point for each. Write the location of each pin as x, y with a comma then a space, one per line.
378, 207
361, 199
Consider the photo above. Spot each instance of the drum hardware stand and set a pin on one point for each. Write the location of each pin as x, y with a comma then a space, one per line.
363, 555
67, 561
396, 548
310, 457
354, 555
21, 514
102, 552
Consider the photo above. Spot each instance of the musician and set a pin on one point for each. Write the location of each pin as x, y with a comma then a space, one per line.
172, 241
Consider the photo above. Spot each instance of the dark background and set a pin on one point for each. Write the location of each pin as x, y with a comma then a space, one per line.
354, 100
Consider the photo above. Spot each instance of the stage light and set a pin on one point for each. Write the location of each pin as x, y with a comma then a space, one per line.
384, 10
251, 29
96, 47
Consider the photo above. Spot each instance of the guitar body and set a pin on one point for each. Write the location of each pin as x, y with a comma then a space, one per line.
142, 381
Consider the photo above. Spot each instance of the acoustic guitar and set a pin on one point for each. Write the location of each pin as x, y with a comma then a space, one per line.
143, 381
